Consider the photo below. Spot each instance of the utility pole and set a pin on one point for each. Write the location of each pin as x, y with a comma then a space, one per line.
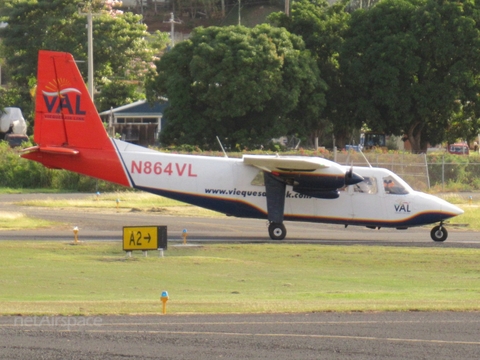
239, 12
90, 52
172, 27
89, 16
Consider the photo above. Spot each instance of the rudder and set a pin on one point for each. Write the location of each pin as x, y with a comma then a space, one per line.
64, 112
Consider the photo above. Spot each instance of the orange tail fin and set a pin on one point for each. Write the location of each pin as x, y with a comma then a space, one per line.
68, 130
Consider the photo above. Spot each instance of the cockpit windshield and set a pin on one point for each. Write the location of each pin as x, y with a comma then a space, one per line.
367, 186
395, 186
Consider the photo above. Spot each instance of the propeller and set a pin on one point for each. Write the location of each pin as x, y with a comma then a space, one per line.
349, 173
352, 178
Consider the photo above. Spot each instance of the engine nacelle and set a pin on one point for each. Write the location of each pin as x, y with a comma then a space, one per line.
325, 194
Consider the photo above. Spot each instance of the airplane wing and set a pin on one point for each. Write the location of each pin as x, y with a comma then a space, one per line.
308, 176
288, 164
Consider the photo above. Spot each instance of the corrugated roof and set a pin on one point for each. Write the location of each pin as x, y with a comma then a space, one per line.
140, 107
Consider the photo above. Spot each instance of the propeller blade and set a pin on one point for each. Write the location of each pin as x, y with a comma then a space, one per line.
351, 178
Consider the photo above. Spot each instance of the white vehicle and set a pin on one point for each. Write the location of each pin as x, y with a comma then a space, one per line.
12, 121
71, 136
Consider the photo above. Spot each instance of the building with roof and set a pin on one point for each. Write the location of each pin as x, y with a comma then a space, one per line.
138, 123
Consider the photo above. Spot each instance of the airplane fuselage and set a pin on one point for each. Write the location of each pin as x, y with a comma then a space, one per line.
229, 186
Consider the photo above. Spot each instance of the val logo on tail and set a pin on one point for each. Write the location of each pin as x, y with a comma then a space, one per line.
70, 135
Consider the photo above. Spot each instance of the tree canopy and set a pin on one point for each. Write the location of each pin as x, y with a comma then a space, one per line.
411, 67
121, 48
322, 26
237, 83
404, 67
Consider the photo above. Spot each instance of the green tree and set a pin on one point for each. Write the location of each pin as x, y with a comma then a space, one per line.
322, 26
234, 82
120, 41
412, 67
115, 93
9, 97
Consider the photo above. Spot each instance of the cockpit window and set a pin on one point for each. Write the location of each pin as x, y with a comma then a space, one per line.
367, 186
393, 187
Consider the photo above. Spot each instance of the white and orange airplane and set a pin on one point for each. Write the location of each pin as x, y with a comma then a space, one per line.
70, 135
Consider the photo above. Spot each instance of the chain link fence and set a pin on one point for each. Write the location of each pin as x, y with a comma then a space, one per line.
412, 168
421, 171
454, 171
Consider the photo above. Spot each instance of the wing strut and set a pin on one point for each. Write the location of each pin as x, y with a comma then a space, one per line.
275, 189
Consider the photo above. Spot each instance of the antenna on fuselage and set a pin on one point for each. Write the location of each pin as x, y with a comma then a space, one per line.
224, 152
361, 152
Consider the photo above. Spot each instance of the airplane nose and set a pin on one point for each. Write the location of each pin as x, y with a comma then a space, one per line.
431, 203
351, 178
450, 208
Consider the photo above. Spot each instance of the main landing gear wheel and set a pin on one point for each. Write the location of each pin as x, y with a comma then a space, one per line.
277, 231
439, 233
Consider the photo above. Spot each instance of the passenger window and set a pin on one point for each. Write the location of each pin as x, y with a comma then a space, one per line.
367, 186
393, 187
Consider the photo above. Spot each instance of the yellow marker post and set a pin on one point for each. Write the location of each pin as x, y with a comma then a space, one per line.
75, 235
118, 202
184, 234
164, 298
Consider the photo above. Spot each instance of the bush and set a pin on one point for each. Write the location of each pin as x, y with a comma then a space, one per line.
460, 173
66, 180
17, 172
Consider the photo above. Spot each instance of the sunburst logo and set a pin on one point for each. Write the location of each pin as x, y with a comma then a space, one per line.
59, 87
58, 100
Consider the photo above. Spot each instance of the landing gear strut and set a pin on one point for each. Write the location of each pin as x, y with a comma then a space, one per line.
277, 231
439, 233
275, 189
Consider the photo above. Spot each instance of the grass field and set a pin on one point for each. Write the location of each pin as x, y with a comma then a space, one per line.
125, 201
18, 220
97, 278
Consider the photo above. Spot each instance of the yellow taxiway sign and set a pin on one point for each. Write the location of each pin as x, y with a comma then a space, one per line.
144, 237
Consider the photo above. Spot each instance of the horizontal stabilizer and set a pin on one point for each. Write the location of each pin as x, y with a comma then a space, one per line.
52, 150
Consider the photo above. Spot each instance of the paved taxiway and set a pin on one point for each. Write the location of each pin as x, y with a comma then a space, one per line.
412, 335
272, 336
108, 225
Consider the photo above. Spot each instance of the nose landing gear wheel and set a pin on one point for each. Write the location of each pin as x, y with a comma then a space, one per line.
439, 233
277, 231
